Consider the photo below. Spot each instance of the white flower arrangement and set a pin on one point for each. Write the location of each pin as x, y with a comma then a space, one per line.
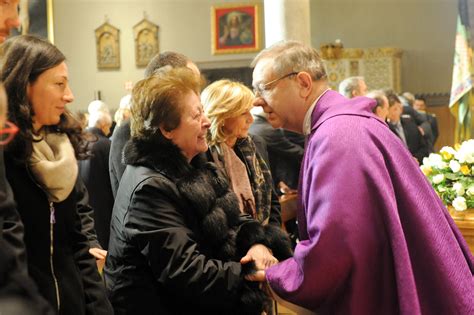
451, 174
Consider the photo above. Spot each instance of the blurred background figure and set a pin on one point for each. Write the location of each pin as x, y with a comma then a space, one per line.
420, 119
123, 112
420, 106
96, 106
352, 87
95, 173
82, 117
405, 128
382, 106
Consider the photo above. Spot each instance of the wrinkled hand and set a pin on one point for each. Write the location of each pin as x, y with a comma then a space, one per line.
98, 253
261, 255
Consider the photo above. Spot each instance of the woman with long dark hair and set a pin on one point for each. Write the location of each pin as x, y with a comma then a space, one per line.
41, 166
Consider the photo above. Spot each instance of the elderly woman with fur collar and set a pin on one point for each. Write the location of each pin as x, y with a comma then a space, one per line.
177, 234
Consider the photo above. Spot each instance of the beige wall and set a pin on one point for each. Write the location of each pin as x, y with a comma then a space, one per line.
184, 27
424, 29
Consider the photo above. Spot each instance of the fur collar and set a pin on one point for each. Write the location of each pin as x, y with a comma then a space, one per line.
161, 155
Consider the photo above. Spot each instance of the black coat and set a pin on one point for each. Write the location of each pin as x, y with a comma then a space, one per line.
416, 143
75, 277
177, 236
95, 173
285, 154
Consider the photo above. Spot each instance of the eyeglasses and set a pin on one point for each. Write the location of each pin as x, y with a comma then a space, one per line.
7, 132
262, 87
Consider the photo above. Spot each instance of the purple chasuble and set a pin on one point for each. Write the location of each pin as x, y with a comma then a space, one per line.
375, 237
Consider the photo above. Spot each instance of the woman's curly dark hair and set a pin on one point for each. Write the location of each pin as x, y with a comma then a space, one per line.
25, 58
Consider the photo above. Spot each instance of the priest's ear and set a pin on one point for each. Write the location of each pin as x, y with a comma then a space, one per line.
305, 82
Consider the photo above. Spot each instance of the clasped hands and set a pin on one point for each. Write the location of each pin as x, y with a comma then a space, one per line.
262, 257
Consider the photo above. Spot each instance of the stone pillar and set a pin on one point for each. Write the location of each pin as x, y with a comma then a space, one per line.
287, 19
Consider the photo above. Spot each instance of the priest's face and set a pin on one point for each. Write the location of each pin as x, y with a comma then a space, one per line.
276, 94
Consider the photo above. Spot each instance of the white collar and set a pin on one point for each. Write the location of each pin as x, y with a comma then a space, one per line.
309, 113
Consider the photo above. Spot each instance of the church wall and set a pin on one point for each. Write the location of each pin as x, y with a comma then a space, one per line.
424, 29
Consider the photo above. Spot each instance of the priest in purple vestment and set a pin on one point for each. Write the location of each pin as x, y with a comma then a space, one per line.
375, 237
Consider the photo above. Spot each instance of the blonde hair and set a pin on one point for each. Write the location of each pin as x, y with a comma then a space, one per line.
221, 100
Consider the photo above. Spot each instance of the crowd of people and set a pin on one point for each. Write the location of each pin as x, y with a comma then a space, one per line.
180, 200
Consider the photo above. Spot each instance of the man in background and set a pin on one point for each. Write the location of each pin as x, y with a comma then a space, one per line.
381, 108
352, 87
406, 129
420, 105
95, 173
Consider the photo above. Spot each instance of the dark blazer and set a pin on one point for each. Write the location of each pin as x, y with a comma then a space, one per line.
177, 236
116, 167
284, 154
421, 120
60, 265
95, 173
415, 141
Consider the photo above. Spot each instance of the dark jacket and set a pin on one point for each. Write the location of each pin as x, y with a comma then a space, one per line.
177, 237
116, 167
68, 274
415, 141
95, 173
285, 154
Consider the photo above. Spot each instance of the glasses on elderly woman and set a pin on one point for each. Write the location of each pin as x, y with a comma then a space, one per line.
263, 87
7, 133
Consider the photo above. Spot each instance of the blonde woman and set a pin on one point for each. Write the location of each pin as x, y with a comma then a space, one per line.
227, 104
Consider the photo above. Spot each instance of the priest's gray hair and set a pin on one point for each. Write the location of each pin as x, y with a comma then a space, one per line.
293, 56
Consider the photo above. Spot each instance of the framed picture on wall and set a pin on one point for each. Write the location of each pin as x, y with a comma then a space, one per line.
146, 42
36, 18
235, 28
108, 47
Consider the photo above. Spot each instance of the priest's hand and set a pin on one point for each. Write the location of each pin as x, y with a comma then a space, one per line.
261, 256
258, 276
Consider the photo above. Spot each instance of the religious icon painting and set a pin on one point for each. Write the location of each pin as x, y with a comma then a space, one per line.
108, 48
235, 28
146, 42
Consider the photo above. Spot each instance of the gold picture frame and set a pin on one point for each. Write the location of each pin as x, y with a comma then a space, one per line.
36, 18
108, 47
235, 28
145, 34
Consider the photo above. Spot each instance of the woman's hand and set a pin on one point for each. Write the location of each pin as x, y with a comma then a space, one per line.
98, 253
261, 255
